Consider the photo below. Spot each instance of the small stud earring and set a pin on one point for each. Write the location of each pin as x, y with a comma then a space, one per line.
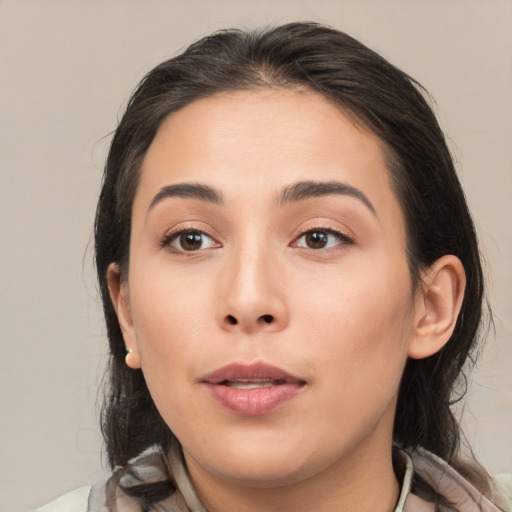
132, 359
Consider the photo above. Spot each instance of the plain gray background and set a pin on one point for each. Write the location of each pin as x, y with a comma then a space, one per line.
66, 69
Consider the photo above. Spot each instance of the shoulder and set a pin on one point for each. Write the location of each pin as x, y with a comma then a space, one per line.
74, 501
456, 489
503, 484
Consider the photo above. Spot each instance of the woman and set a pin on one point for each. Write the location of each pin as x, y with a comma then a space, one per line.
291, 283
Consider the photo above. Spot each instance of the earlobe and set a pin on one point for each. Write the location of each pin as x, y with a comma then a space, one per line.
120, 300
438, 305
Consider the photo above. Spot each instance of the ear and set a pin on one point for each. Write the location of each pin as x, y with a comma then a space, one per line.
438, 302
118, 289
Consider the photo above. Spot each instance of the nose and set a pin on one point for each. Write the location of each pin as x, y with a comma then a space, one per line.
252, 295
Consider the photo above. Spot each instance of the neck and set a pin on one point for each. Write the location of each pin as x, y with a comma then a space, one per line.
362, 482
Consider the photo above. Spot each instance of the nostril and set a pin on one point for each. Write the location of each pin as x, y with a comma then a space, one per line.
268, 319
232, 320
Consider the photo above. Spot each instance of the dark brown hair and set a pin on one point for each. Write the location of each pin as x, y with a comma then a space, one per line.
373, 92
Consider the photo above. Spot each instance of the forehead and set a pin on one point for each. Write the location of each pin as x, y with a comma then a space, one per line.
261, 141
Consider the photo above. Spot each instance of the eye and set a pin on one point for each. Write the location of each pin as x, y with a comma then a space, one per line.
189, 240
322, 239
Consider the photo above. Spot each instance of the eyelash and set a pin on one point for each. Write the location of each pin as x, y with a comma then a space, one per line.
342, 240
171, 237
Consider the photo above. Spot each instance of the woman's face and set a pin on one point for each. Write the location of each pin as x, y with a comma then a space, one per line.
268, 294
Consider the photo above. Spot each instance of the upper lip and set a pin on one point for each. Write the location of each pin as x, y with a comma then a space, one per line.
250, 372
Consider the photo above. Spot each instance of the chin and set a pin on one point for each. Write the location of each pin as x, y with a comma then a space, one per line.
262, 472
259, 463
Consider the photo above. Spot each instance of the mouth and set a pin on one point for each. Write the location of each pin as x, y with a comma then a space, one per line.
252, 383
252, 390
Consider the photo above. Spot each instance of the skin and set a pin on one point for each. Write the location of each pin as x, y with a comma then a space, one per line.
344, 317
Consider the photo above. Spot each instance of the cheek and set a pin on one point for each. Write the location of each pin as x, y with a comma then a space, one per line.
166, 305
360, 325
170, 317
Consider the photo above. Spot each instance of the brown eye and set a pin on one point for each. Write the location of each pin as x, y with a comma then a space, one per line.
190, 240
322, 239
316, 239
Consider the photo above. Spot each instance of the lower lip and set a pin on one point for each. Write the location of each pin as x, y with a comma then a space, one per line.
253, 402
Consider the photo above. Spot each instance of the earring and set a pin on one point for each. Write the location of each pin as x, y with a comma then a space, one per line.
132, 359
127, 358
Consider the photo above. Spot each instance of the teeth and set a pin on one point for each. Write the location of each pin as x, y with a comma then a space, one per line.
251, 384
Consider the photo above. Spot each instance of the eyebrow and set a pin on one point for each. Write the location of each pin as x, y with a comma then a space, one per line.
188, 190
299, 191
308, 189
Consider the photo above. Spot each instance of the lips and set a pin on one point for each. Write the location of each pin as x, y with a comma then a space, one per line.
252, 390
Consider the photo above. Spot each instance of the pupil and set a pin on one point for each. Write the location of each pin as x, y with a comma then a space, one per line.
316, 240
191, 241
